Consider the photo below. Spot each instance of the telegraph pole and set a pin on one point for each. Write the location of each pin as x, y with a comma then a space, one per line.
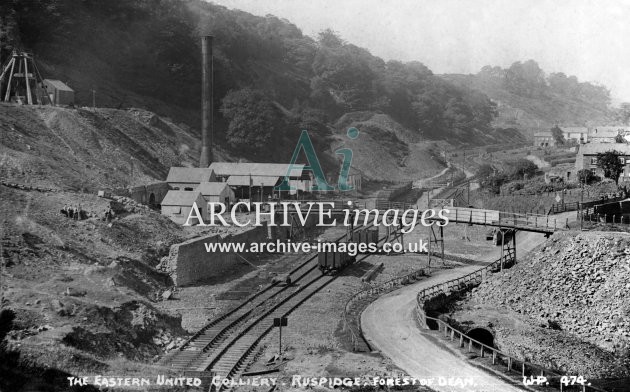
93, 99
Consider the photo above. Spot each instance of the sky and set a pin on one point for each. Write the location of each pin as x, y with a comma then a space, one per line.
586, 38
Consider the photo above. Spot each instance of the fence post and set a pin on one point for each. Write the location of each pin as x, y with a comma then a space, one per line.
494, 357
461, 340
509, 364
469, 345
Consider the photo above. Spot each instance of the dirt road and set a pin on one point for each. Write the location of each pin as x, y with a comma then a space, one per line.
389, 324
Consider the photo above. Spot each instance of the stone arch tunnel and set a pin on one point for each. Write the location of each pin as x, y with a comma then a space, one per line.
482, 335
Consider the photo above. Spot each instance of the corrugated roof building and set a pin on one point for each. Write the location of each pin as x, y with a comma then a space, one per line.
229, 169
177, 205
259, 179
216, 192
189, 178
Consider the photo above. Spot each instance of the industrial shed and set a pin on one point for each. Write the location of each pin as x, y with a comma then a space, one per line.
255, 180
217, 192
223, 170
189, 178
59, 92
151, 194
178, 204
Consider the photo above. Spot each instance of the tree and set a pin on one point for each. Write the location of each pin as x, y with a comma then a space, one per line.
519, 168
526, 79
556, 132
586, 176
253, 119
330, 38
485, 171
490, 179
611, 163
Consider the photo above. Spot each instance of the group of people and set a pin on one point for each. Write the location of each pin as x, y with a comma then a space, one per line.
73, 212
109, 215
76, 212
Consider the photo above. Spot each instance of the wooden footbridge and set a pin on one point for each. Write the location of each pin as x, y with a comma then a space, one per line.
508, 220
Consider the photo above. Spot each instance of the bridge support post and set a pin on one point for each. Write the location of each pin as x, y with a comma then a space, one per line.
437, 240
502, 231
514, 246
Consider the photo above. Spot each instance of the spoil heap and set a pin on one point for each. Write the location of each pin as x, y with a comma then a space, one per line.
565, 306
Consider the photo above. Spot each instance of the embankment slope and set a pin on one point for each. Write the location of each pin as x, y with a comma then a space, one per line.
564, 306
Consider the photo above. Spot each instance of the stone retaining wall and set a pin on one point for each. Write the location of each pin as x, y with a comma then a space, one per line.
189, 262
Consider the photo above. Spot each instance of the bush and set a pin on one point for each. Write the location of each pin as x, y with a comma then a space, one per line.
586, 176
520, 168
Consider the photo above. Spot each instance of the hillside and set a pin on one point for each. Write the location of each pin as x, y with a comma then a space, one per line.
271, 81
84, 150
563, 306
83, 292
529, 99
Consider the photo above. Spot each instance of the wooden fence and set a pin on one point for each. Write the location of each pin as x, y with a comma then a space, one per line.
356, 334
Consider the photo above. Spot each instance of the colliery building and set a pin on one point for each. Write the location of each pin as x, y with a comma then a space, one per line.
177, 205
257, 180
189, 178
59, 93
217, 192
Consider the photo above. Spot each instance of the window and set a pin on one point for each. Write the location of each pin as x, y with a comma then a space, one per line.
594, 171
189, 189
593, 160
622, 160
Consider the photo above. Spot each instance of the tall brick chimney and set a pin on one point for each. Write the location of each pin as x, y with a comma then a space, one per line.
207, 119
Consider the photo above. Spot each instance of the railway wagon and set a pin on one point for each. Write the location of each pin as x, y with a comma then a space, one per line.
366, 236
329, 260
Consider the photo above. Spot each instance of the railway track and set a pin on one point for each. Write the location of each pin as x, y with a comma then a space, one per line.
227, 344
219, 329
236, 353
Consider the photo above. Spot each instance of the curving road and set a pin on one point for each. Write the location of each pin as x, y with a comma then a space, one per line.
389, 324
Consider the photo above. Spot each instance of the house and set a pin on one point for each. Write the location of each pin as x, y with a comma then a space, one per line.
544, 139
607, 134
560, 173
189, 178
587, 158
576, 134
255, 180
177, 205
59, 92
217, 192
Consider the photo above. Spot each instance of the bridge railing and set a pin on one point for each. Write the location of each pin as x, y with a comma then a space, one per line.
512, 363
500, 218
